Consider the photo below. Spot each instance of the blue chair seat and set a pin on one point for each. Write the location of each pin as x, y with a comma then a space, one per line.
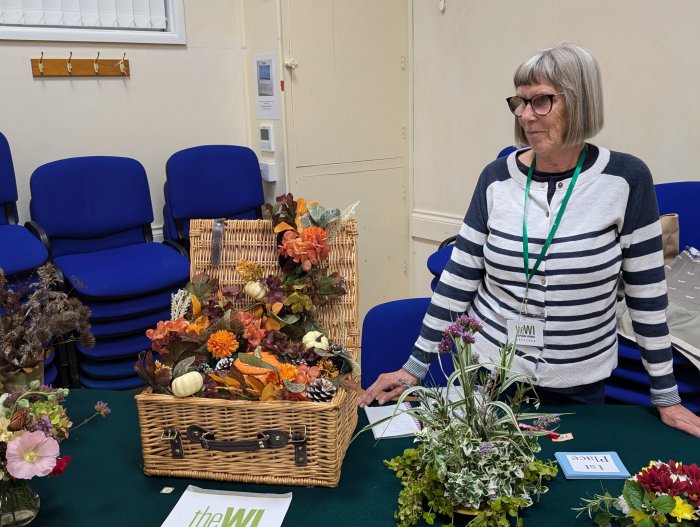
128, 383
115, 309
50, 374
389, 331
128, 326
21, 250
109, 349
115, 369
102, 274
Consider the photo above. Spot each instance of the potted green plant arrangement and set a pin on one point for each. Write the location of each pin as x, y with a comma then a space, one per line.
473, 456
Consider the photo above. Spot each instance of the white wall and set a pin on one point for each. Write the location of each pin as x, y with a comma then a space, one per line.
177, 96
463, 65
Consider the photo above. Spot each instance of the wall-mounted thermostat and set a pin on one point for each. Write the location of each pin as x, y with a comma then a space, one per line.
267, 143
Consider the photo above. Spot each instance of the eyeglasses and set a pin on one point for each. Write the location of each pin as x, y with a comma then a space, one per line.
540, 104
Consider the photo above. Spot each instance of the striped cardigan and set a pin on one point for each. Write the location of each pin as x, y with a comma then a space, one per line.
610, 224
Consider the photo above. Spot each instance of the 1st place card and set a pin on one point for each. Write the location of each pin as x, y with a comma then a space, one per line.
592, 465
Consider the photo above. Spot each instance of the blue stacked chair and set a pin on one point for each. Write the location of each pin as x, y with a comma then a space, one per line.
21, 252
629, 383
389, 331
95, 215
208, 182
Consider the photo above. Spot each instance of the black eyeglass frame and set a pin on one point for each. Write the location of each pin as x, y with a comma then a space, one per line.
525, 102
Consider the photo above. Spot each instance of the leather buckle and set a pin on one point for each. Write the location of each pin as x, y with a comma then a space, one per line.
169, 434
297, 436
297, 433
172, 435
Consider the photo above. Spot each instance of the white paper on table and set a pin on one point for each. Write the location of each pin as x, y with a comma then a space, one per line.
199, 507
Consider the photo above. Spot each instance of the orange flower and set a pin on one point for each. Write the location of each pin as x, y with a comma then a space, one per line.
252, 331
222, 344
317, 248
314, 234
163, 327
288, 372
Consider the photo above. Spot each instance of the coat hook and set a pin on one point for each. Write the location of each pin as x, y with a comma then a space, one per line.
69, 66
122, 65
41, 63
96, 64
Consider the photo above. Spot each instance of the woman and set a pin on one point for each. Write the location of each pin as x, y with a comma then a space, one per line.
575, 215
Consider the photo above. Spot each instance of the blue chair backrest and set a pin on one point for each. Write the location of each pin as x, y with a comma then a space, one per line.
212, 181
8, 185
389, 332
91, 203
682, 197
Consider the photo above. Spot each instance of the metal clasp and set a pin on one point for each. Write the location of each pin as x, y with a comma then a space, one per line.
169, 434
297, 434
205, 438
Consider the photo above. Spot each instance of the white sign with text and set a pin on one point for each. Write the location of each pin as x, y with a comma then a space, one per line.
220, 508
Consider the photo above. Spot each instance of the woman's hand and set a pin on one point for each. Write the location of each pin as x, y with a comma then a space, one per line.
678, 416
387, 387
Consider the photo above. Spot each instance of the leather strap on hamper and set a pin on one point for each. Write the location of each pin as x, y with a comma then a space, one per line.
265, 440
217, 241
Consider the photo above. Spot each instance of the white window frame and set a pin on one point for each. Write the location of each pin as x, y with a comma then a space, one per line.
174, 33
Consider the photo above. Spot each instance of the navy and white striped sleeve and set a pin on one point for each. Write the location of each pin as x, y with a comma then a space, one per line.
645, 284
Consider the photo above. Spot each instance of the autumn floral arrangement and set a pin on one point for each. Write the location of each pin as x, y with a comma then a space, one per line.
33, 421
662, 494
477, 448
261, 341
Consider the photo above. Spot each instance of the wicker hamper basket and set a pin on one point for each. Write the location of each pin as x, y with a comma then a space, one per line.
328, 426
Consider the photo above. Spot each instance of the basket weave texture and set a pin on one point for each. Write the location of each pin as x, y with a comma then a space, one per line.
329, 426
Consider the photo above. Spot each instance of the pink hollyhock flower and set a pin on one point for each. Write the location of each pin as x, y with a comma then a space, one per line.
31, 454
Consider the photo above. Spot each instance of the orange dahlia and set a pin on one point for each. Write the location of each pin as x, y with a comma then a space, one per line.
222, 344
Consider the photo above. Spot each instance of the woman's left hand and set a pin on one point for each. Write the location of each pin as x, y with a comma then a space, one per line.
678, 416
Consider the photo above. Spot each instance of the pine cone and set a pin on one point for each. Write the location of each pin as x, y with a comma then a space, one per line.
321, 390
19, 420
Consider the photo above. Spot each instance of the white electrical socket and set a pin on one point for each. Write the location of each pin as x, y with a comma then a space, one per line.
268, 171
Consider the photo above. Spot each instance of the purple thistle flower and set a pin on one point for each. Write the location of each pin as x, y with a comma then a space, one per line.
102, 409
445, 345
485, 449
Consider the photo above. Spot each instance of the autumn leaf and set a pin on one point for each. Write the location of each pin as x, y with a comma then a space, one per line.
196, 307
255, 384
283, 226
268, 392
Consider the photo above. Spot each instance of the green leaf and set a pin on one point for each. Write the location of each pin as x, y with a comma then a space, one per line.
182, 367
253, 360
602, 519
633, 492
294, 387
664, 504
647, 522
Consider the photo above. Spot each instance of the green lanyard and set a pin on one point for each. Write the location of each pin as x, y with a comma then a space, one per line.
555, 225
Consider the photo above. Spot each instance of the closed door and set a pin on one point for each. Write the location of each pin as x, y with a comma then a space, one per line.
346, 100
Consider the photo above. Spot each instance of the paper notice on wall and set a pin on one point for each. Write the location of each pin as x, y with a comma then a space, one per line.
204, 507
265, 93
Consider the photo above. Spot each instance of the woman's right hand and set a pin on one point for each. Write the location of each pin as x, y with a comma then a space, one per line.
388, 386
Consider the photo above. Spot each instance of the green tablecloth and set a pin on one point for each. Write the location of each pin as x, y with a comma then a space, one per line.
104, 485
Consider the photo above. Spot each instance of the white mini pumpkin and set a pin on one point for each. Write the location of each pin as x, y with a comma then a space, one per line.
315, 339
255, 290
187, 384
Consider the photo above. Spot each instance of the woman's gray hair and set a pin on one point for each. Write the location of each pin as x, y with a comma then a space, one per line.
573, 71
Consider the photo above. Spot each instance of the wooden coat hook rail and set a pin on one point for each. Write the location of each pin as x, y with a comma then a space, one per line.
70, 67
